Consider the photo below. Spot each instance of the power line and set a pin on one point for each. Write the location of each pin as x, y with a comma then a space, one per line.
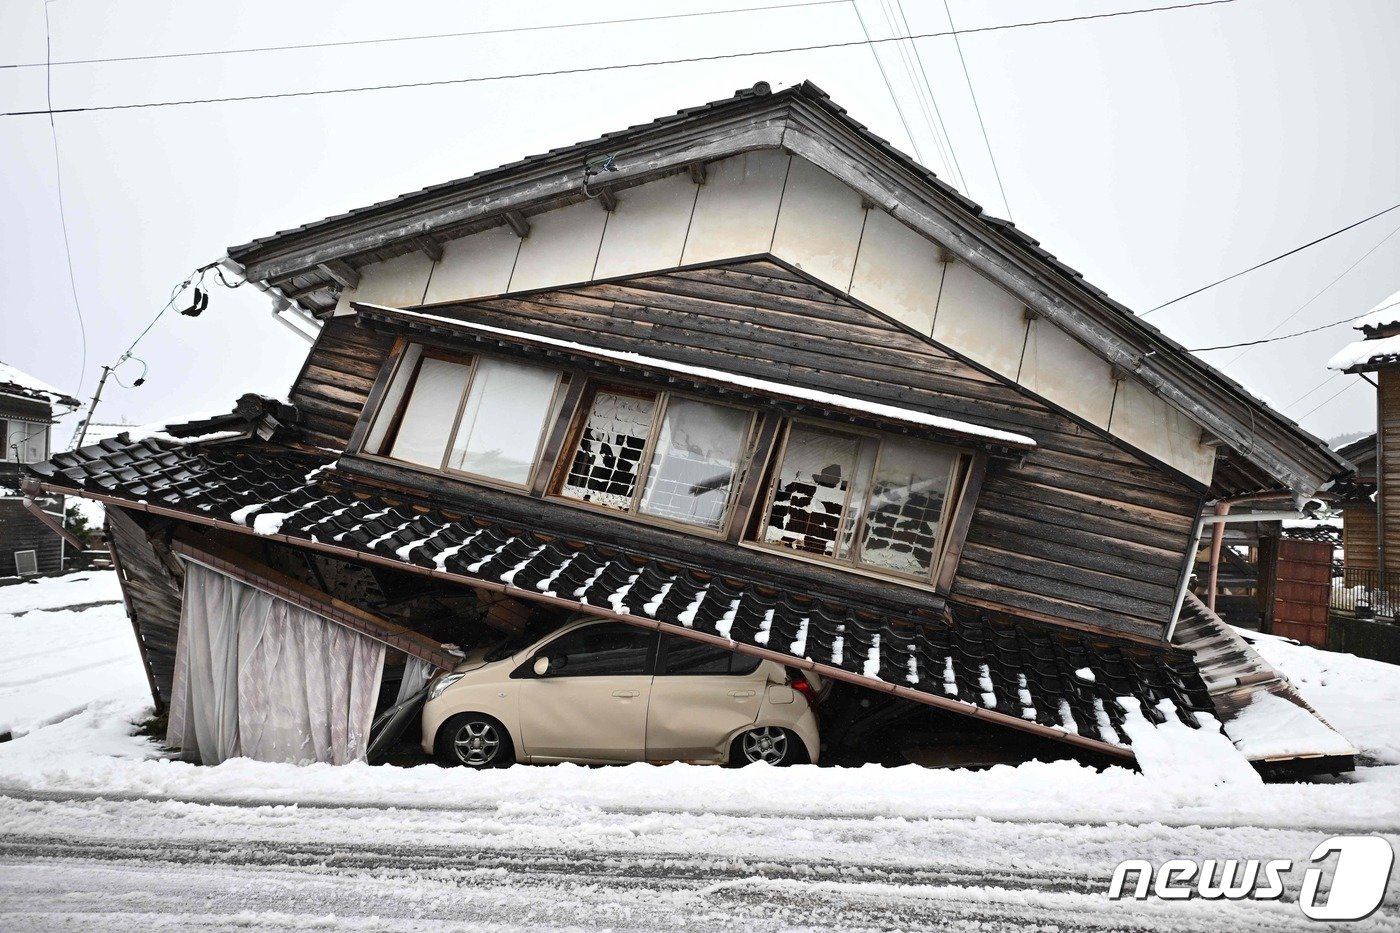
1255, 343
62, 213
1310, 391
886, 78
1296, 249
977, 109
904, 60
1345, 273
923, 72
1328, 399
419, 38
617, 67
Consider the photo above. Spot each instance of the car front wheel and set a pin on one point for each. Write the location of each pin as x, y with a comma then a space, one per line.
474, 740
769, 743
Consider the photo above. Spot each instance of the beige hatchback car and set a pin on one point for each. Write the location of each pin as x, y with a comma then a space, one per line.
600, 692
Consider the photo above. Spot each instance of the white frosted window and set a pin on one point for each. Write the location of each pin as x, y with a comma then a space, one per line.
813, 487
905, 508
393, 398
432, 407
507, 408
609, 454
693, 464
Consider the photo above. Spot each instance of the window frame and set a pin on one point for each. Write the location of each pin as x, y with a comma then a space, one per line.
526, 670
944, 547
554, 491
562, 379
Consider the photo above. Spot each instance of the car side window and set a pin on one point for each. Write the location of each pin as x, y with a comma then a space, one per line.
686, 656
599, 650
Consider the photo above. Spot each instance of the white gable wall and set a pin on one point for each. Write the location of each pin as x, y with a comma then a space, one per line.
769, 202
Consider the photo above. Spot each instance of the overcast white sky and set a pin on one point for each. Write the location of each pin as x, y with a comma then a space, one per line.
1154, 153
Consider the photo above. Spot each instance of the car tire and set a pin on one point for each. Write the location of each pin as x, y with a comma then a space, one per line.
776, 746
474, 740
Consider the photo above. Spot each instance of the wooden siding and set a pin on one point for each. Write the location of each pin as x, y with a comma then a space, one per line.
1083, 531
21, 531
1359, 537
336, 379
152, 589
1388, 469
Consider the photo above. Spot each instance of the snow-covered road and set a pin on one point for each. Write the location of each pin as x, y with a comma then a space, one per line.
74, 860
98, 829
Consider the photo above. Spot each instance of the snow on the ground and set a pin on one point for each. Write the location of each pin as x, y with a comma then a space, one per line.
96, 822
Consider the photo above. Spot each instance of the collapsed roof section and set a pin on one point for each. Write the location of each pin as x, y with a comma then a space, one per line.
1035, 678
310, 264
18, 384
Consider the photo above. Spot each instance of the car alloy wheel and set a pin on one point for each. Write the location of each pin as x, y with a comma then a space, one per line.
768, 744
477, 744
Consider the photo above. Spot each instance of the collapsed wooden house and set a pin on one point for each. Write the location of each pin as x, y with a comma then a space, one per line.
749, 375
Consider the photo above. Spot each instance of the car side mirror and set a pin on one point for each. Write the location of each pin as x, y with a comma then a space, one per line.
541, 666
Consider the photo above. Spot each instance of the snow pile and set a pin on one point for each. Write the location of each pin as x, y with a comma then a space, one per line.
1183, 760
1273, 727
1387, 312
1357, 696
1362, 352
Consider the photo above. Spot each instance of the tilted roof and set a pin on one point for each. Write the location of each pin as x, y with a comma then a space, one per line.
1053, 682
803, 120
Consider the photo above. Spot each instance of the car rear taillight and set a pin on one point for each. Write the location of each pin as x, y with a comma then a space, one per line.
801, 685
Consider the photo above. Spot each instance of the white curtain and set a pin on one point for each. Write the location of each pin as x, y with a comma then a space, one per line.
258, 677
416, 674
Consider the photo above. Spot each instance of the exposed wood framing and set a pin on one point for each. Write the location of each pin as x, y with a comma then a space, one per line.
697, 172
430, 247
342, 272
518, 223
607, 199
53, 524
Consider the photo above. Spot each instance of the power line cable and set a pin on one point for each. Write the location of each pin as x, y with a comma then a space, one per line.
419, 38
1311, 391
908, 64
1325, 288
1254, 343
62, 212
1328, 399
1260, 265
623, 66
888, 86
933, 99
977, 109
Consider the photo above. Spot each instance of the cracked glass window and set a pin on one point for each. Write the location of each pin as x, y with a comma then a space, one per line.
905, 508
608, 458
812, 490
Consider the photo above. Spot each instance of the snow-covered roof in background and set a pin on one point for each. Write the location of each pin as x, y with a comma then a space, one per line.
16, 382
1360, 353
763, 386
1387, 312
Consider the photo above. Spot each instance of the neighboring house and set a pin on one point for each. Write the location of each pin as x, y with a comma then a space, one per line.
28, 545
746, 374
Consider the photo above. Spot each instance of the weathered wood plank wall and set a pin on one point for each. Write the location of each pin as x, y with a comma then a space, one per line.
1083, 531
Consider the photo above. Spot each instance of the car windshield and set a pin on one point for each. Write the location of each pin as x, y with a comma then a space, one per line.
533, 631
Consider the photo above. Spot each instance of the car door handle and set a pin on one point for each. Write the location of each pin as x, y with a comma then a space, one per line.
741, 693
626, 693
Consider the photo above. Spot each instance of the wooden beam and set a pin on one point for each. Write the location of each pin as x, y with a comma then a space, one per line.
430, 247
204, 550
697, 172
52, 523
342, 272
607, 199
518, 223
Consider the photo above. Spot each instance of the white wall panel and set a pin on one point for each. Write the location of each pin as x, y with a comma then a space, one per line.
1147, 422
737, 207
647, 231
1063, 370
980, 320
898, 272
561, 248
819, 224
397, 283
474, 266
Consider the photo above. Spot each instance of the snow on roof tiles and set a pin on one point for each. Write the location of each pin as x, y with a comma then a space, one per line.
1383, 314
16, 382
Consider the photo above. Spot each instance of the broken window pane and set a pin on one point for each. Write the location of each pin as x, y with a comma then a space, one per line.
432, 407
605, 465
506, 411
900, 531
810, 497
692, 468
